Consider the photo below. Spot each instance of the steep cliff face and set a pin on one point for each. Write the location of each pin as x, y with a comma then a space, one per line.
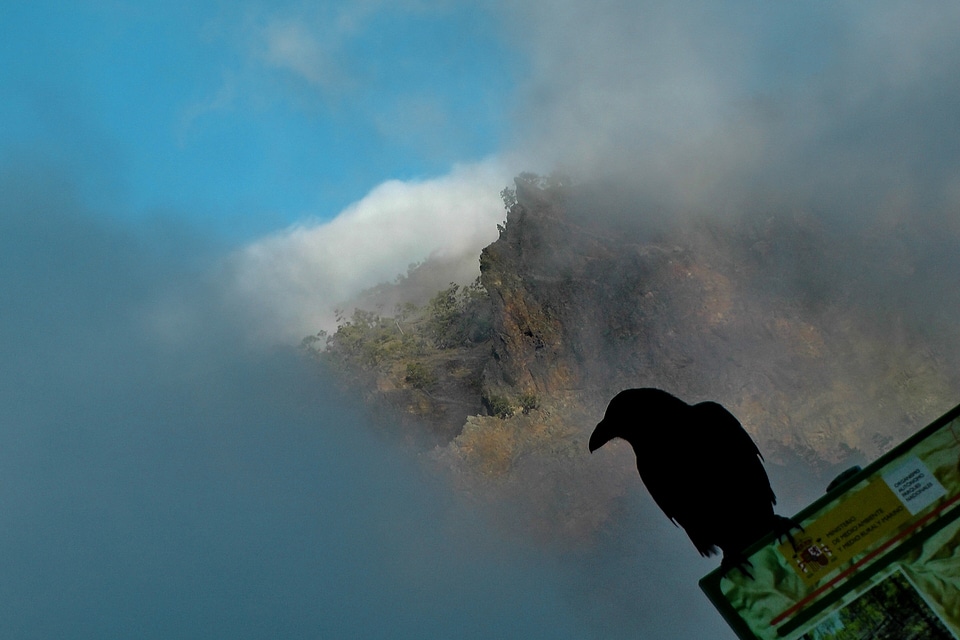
757, 312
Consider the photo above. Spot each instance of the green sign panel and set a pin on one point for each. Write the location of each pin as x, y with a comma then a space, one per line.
879, 556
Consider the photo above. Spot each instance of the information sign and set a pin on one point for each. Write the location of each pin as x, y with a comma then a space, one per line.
878, 557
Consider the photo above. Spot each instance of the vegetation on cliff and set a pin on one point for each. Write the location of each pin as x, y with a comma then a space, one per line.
370, 341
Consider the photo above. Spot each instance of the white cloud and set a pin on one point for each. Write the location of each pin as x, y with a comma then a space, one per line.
309, 43
293, 280
289, 46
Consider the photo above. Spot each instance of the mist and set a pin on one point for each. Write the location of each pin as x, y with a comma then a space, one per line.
709, 107
162, 475
202, 488
293, 280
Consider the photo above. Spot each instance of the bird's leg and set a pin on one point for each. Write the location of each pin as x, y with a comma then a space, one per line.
736, 561
783, 527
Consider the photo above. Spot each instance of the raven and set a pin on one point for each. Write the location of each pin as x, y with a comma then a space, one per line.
701, 467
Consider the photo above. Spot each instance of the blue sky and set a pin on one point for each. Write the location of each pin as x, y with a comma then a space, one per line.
245, 117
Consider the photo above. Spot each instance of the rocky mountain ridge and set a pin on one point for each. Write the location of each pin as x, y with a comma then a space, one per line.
500, 382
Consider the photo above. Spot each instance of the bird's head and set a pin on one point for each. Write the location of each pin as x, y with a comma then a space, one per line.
629, 411
604, 432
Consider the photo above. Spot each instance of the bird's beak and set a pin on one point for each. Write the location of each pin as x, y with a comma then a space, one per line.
601, 435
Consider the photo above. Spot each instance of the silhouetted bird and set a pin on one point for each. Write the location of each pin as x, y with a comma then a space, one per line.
701, 467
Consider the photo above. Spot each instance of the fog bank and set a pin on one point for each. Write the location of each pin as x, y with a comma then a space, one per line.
195, 487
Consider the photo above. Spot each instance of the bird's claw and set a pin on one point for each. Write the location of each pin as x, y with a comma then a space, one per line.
784, 527
739, 562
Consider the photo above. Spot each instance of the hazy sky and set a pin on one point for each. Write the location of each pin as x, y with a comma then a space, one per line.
181, 180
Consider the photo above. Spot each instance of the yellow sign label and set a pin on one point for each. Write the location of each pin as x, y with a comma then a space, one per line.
846, 530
